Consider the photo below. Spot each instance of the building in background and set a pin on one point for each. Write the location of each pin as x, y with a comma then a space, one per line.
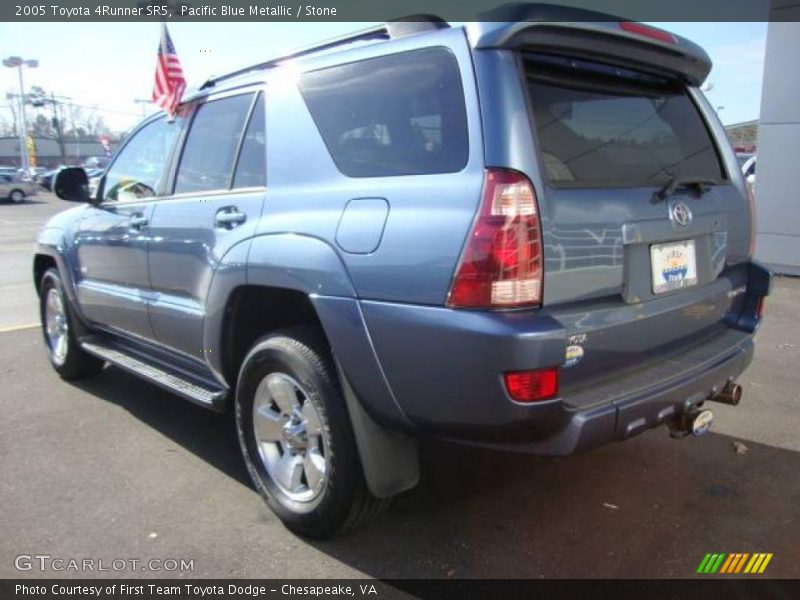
48, 153
777, 184
743, 136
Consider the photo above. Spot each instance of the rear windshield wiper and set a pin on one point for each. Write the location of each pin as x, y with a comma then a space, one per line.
698, 184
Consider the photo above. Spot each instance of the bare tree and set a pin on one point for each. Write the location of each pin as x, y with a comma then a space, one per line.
7, 128
41, 126
13, 106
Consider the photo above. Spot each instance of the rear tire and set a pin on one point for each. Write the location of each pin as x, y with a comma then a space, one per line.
296, 438
17, 196
58, 326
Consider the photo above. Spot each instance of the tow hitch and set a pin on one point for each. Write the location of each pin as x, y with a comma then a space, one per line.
696, 420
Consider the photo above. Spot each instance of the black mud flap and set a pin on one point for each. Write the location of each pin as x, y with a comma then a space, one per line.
390, 459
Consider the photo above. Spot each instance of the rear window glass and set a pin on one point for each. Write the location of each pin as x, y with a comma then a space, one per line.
401, 114
604, 126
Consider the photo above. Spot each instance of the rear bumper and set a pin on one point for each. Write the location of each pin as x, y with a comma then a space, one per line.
648, 398
444, 367
448, 381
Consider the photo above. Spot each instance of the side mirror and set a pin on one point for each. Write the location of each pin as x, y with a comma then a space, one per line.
72, 184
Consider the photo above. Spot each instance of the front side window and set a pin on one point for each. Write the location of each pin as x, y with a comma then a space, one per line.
138, 171
401, 114
210, 150
605, 126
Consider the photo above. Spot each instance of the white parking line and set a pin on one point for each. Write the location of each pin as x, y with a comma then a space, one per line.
19, 327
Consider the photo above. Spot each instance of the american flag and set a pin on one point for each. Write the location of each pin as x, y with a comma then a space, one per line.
170, 83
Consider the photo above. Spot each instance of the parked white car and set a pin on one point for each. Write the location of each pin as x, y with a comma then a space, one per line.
749, 170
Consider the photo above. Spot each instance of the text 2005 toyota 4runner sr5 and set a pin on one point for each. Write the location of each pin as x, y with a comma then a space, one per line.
530, 234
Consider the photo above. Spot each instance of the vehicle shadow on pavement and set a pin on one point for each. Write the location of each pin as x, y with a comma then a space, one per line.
211, 436
649, 507
25, 202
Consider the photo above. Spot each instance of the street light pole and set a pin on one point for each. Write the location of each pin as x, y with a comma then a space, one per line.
18, 62
23, 142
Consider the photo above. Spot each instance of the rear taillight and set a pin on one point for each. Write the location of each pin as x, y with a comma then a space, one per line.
647, 31
760, 307
532, 386
501, 265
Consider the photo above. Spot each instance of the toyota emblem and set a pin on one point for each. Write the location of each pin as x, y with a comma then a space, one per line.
681, 214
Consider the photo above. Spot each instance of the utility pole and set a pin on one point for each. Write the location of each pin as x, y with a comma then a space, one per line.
59, 127
39, 101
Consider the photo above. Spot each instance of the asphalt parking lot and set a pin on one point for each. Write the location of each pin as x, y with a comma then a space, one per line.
113, 467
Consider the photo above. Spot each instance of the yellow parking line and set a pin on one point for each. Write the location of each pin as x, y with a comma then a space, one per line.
19, 327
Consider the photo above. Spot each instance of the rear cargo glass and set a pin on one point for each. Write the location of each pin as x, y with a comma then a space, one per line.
599, 125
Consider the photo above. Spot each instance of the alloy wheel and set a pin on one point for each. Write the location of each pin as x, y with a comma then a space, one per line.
291, 439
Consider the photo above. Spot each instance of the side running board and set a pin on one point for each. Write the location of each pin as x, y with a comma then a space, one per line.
192, 388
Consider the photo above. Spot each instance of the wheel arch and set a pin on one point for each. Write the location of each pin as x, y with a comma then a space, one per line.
41, 263
284, 280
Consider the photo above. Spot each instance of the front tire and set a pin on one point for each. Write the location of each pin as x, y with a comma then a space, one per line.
296, 437
58, 326
17, 196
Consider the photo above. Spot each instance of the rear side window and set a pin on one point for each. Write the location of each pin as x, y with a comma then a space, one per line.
604, 126
251, 170
401, 114
210, 149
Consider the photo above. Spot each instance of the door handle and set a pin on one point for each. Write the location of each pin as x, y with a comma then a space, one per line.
229, 217
137, 221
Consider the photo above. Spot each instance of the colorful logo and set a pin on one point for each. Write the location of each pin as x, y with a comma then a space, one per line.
676, 265
574, 355
737, 562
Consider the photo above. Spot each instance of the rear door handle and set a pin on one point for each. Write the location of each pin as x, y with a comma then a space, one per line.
229, 217
137, 221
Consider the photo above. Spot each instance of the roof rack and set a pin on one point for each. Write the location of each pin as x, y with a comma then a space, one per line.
394, 29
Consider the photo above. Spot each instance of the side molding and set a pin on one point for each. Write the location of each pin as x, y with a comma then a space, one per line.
390, 458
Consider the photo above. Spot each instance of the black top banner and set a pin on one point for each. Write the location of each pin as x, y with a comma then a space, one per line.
385, 10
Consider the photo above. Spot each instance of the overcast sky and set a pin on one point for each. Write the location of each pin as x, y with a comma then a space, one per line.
106, 66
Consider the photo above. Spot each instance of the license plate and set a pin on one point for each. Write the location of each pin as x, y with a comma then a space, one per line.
674, 266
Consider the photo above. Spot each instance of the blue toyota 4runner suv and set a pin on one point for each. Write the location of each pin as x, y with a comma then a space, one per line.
528, 233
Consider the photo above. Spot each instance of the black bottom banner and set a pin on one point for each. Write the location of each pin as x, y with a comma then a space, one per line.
222, 589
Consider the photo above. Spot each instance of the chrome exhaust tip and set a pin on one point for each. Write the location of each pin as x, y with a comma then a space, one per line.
730, 394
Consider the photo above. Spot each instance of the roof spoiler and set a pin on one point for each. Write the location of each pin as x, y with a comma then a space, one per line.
590, 35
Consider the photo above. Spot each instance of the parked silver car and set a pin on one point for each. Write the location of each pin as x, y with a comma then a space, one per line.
15, 189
